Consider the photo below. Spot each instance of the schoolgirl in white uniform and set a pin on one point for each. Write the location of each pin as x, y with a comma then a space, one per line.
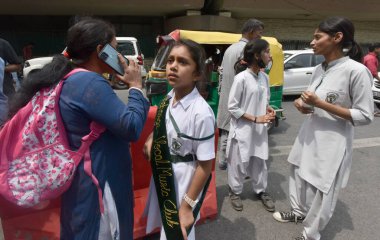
247, 145
338, 98
190, 126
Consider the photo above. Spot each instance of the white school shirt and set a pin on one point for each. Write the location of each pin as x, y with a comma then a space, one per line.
194, 118
325, 140
250, 93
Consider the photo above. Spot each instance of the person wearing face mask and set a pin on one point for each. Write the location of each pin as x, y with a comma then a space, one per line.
247, 145
339, 97
252, 29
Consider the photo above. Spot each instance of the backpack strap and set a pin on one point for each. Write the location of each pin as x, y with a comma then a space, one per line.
96, 130
75, 70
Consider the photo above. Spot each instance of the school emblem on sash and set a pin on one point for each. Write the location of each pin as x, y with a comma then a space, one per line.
176, 145
331, 97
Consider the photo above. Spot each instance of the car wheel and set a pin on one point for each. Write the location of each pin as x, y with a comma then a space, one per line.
120, 85
378, 105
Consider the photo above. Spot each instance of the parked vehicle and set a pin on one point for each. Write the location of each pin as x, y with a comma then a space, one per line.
376, 91
298, 68
215, 43
128, 46
35, 64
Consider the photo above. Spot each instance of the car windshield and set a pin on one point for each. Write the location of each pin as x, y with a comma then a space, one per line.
159, 62
126, 48
287, 55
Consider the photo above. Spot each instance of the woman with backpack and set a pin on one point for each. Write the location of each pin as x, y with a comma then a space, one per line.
339, 97
87, 97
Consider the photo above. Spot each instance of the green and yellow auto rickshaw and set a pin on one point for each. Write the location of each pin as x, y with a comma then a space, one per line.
215, 44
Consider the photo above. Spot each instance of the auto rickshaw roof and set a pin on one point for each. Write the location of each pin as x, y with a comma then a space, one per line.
276, 74
206, 37
209, 37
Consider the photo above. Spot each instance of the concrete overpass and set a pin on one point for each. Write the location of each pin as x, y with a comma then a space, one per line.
287, 20
364, 10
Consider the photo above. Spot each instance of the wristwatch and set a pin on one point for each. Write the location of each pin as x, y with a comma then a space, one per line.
190, 201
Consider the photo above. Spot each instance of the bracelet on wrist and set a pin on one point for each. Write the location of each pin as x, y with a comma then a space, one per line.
190, 201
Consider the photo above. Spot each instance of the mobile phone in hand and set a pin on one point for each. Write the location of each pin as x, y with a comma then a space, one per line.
109, 55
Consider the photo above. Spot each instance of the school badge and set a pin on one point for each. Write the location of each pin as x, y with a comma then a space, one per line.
331, 97
176, 145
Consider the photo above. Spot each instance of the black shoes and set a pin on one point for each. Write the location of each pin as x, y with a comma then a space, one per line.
267, 201
265, 198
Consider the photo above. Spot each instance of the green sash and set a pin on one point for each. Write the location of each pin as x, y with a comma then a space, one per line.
163, 177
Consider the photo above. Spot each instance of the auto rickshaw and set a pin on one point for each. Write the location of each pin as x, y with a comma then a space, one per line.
215, 44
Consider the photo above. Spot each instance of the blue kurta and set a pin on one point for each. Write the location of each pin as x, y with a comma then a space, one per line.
86, 97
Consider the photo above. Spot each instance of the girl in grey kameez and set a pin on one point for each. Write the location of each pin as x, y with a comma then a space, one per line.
247, 145
338, 98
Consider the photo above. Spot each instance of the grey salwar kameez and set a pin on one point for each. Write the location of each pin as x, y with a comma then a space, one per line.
322, 153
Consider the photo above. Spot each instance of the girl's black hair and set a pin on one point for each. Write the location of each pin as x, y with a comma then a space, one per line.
333, 25
82, 40
250, 50
197, 53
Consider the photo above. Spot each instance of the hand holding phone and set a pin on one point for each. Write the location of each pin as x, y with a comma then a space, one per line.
132, 75
129, 74
109, 55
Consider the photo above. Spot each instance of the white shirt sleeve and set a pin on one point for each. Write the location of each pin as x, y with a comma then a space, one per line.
205, 126
234, 99
362, 98
267, 82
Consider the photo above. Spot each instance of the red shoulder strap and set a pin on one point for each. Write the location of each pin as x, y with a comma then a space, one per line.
96, 130
75, 71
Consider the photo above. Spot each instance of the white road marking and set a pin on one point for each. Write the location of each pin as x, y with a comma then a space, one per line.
358, 143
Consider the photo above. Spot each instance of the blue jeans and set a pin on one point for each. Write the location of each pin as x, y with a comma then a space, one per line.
3, 97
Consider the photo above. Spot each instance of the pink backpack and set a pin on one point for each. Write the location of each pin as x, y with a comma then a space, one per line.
36, 163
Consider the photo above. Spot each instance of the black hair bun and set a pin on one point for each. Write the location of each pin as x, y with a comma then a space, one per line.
240, 66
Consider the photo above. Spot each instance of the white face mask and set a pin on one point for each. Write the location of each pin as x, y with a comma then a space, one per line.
269, 66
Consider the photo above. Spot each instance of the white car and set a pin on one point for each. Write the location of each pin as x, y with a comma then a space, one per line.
128, 46
376, 91
35, 64
298, 68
